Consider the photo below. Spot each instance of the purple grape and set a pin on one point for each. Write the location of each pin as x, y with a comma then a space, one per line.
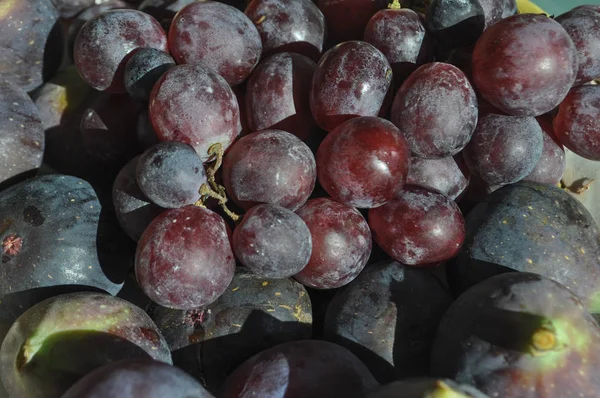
551, 166
170, 174
133, 209
143, 69
495, 10
272, 242
449, 176
455, 23
163, 9
296, 26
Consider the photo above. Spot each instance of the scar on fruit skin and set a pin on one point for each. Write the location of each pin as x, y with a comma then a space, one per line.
12, 244
578, 187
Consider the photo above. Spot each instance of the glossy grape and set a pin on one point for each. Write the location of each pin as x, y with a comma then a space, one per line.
419, 228
277, 95
436, 108
170, 174
347, 19
495, 10
105, 41
296, 26
449, 176
351, 80
133, 209
455, 23
137, 379
577, 124
21, 132
341, 242
504, 149
184, 258
551, 166
143, 69
218, 36
583, 25
272, 241
363, 161
401, 36
270, 166
525, 65
194, 105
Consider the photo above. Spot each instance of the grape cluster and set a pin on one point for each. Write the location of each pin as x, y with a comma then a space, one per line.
239, 144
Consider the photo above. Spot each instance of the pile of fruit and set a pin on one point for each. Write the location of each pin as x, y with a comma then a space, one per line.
297, 198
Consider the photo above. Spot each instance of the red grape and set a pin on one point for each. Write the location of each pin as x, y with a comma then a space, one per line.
436, 108
449, 176
184, 258
420, 227
551, 166
277, 95
194, 105
218, 36
583, 25
347, 19
103, 44
401, 36
272, 241
504, 149
363, 162
351, 80
341, 244
163, 9
577, 124
289, 26
270, 166
525, 64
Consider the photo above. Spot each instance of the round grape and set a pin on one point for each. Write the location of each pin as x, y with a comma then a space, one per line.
347, 19
143, 70
449, 176
551, 166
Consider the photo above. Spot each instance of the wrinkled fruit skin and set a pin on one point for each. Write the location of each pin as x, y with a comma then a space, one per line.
519, 335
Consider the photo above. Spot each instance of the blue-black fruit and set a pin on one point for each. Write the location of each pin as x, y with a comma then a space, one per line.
388, 318
519, 335
536, 228
455, 23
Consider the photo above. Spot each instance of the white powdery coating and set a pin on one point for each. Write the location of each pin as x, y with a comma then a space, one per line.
281, 22
218, 36
351, 79
583, 25
495, 10
192, 104
443, 175
21, 132
436, 108
504, 149
551, 166
105, 40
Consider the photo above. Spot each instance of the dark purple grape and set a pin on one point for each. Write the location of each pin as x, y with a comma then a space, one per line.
525, 65
194, 105
163, 9
436, 108
351, 80
347, 19
551, 166
31, 42
504, 149
278, 93
419, 228
137, 378
449, 176
363, 162
270, 166
108, 129
455, 23
145, 132
296, 26
21, 132
401, 36
133, 209
184, 258
218, 36
495, 10
70, 8
341, 242
104, 43
170, 174
577, 124
272, 242
143, 69
583, 25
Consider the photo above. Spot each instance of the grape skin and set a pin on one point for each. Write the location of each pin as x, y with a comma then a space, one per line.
551, 166
449, 176
184, 258
143, 70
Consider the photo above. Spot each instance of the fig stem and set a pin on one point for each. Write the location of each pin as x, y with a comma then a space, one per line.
543, 339
395, 5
